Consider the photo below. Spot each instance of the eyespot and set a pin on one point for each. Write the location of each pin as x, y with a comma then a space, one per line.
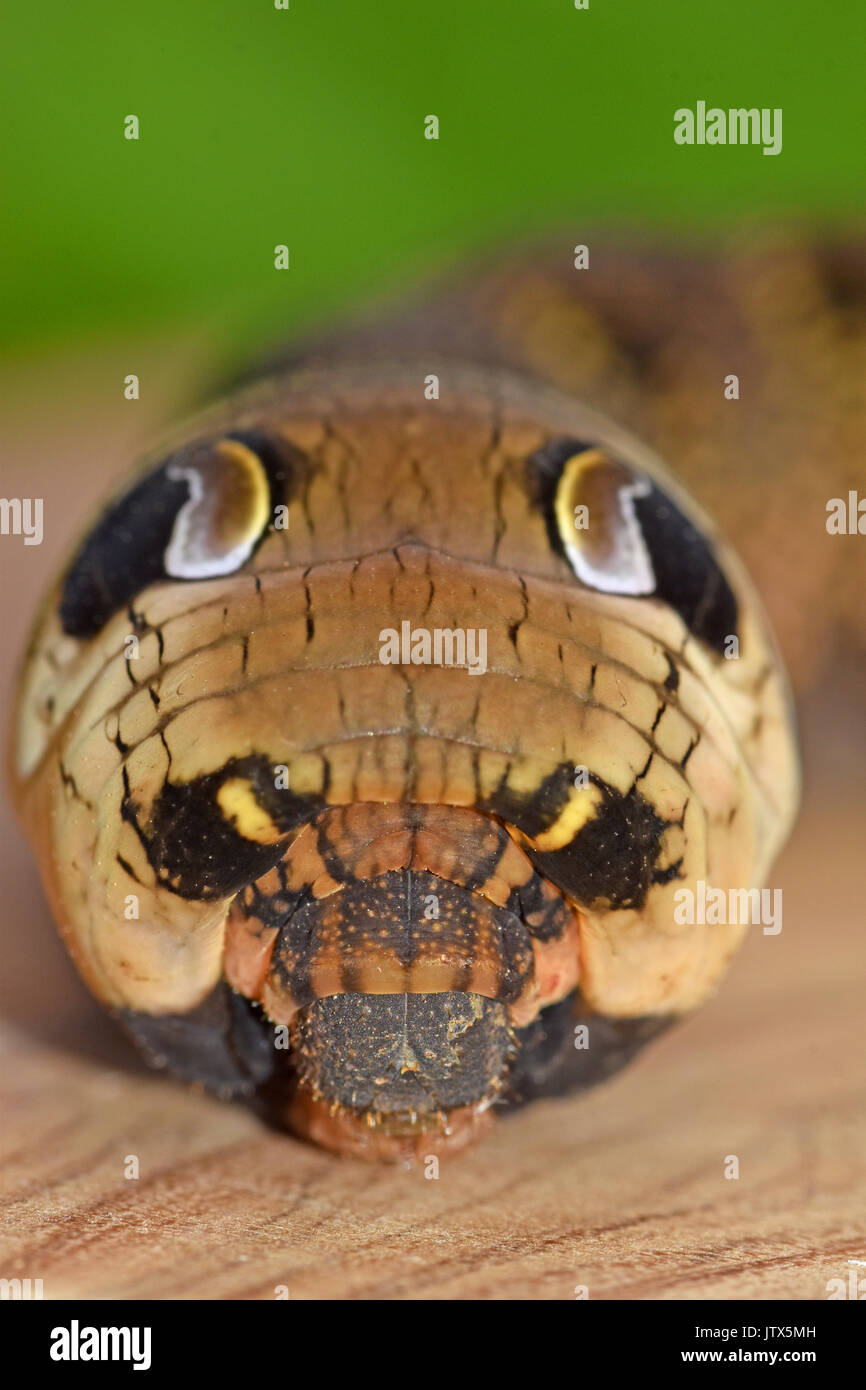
198, 515
227, 510
622, 534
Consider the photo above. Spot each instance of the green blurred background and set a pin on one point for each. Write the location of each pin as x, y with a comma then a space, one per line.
305, 126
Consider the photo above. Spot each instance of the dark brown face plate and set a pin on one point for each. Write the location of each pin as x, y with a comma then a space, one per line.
399, 1056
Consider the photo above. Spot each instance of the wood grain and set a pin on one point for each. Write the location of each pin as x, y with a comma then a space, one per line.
622, 1191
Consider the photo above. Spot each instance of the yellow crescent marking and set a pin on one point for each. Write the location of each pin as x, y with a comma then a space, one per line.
581, 806
238, 804
573, 471
254, 479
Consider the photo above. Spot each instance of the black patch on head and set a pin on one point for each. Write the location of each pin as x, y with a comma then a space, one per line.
611, 860
394, 1054
225, 1043
547, 1063
194, 850
125, 551
688, 577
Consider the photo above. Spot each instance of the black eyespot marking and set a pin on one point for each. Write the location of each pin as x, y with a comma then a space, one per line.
136, 540
688, 575
622, 534
611, 861
194, 844
122, 555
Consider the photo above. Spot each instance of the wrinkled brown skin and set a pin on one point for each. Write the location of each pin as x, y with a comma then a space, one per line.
647, 338
648, 335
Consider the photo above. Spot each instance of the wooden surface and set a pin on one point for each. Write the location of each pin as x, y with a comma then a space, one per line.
623, 1191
